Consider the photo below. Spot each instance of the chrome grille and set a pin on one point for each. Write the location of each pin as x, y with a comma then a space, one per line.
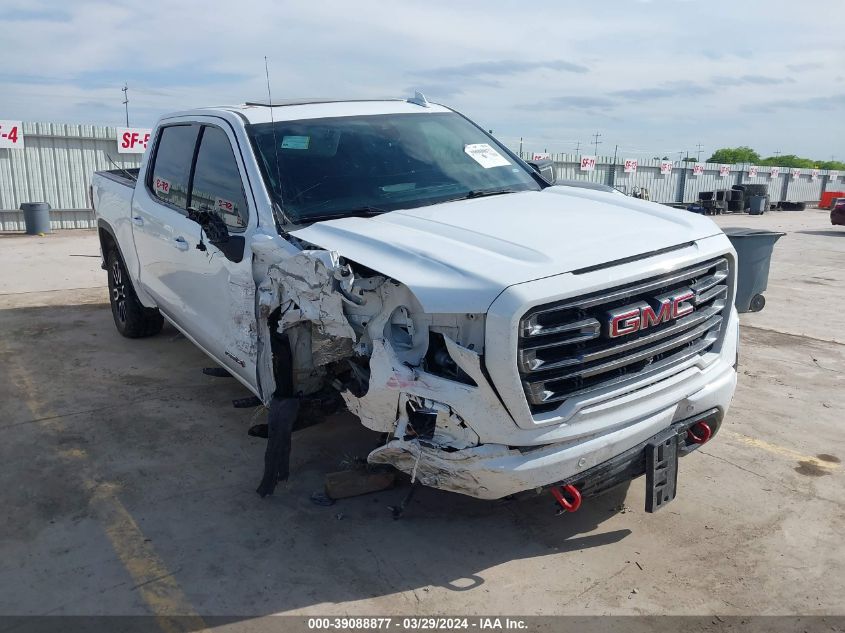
567, 348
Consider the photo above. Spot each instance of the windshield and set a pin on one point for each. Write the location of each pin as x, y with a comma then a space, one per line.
334, 167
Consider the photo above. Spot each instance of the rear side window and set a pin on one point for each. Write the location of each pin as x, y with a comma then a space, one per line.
217, 180
172, 168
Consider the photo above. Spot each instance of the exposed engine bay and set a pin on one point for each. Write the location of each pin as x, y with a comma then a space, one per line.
353, 330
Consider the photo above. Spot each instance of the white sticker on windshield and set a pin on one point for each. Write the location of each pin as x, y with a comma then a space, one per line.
296, 142
485, 155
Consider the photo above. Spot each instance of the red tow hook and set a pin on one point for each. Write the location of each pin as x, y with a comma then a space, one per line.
704, 432
566, 504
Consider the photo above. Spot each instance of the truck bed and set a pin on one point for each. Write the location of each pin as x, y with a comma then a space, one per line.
126, 177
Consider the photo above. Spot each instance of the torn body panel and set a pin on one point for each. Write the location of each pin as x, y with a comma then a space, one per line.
401, 364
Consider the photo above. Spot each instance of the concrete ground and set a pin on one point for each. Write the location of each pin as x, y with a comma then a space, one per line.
128, 480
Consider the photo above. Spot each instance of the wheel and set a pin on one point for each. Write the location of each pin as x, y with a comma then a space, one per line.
131, 318
758, 302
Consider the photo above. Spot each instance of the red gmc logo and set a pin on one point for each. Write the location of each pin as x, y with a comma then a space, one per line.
641, 315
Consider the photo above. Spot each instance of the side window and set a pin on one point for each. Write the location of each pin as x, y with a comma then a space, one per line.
217, 182
172, 167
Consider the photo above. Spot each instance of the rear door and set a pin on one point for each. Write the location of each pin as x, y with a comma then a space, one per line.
208, 292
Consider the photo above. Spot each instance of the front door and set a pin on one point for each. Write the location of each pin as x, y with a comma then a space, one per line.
208, 293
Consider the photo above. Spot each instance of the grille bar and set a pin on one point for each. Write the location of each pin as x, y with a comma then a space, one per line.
585, 330
567, 348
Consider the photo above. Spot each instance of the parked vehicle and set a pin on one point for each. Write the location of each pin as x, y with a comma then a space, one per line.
504, 333
837, 212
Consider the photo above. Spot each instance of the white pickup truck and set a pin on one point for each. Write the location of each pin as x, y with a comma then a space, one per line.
504, 333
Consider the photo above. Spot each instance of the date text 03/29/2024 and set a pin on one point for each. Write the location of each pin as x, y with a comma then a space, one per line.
416, 624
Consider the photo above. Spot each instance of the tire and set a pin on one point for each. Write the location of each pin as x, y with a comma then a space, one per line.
758, 302
131, 318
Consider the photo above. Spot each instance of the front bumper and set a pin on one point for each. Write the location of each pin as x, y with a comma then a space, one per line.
632, 463
492, 471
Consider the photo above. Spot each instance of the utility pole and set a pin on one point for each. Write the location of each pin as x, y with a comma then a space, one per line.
611, 173
596, 142
577, 147
126, 101
698, 155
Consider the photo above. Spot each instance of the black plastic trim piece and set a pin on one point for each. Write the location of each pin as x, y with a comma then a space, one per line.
633, 258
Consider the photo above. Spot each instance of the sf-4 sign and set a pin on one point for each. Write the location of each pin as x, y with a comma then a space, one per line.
11, 135
132, 140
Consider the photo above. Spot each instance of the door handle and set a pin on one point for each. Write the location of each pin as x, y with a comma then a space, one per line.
180, 243
137, 220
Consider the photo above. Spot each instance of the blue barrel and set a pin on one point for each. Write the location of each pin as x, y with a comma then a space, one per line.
36, 217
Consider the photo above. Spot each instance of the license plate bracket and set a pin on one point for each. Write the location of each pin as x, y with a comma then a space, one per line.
661, 470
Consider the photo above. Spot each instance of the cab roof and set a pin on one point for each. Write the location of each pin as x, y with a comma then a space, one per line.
295, 109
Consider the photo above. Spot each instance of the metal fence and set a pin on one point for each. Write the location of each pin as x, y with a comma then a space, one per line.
683, 186
56, 164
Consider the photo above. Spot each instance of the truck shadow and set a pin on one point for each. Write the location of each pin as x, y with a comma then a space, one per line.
823, 232
140, 416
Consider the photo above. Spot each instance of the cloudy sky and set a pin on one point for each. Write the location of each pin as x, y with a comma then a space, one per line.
655, 77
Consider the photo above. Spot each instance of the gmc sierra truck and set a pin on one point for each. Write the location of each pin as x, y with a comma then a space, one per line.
504, 333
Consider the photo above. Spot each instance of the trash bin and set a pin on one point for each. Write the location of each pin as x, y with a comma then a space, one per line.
758, 205
754, 254
36, 217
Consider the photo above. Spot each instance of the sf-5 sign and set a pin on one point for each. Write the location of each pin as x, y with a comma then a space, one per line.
11, 135
132, 140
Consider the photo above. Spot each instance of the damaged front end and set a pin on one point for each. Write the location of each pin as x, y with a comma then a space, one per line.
330, 324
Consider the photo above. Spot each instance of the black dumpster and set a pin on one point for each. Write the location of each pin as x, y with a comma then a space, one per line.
754, 254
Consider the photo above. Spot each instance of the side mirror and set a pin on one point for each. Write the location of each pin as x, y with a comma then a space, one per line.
232, 246
213, 225
546, 168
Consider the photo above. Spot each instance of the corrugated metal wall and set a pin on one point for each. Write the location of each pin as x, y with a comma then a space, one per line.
58, 159
55, 166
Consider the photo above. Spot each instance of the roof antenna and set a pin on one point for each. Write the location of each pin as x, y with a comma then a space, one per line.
419, 99
276, 206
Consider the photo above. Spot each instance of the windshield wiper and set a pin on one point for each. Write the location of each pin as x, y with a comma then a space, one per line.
481, 193
360, 212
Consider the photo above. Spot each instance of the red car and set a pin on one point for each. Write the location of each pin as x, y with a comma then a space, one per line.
837, 213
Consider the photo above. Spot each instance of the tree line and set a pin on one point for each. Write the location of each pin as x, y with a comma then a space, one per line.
744, 154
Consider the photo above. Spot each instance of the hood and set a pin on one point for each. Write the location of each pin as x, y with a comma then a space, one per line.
459, 256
